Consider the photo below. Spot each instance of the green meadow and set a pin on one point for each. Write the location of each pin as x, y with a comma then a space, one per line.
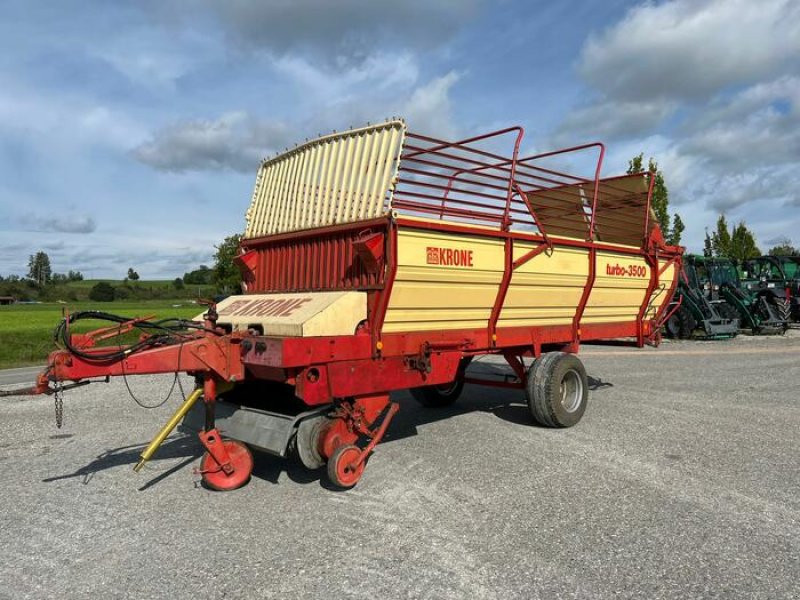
26, 330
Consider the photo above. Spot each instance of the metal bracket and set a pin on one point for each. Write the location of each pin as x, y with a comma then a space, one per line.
212, 441
420, 362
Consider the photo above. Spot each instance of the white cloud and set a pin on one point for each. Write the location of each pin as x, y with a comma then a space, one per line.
338, 33
380, 72
692, 49
67, 120
711, 89
429, 109
235, 141
66, 223
609, 119
758, 126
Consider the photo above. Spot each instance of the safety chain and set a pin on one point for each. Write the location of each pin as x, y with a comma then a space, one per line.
58, 394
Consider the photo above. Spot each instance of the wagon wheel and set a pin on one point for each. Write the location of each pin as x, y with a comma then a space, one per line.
439, 396
557, 389
307, 442
241, 461
341, 471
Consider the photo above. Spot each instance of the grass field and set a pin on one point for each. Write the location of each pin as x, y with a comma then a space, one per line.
26, 330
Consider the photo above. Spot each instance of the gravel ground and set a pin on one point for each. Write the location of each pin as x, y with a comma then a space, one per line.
681, 481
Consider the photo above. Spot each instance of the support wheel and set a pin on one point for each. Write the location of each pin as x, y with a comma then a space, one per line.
241, 461
557, 389
341, 473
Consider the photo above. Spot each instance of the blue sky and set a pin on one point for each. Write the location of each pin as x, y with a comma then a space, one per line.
130, 133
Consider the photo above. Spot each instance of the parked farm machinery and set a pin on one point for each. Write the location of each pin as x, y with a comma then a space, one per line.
777, 278
697, 308
379, 259
759, 312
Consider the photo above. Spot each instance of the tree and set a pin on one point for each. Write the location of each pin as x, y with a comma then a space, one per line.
676, 232
200, 276
102, 292
743, 243
39, 268
784, 248
74, 276
133, 275
660, 199
178, 283
227, 277
722, 238
738, 244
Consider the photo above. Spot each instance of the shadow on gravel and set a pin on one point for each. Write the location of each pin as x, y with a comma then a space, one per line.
187, 448
506, 404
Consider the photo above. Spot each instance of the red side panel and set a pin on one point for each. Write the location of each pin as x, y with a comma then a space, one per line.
324, 259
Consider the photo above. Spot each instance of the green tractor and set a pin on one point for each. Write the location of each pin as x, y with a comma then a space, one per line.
697, 307
757, 311
778, 279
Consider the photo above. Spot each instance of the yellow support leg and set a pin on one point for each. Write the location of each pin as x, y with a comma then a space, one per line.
167, 429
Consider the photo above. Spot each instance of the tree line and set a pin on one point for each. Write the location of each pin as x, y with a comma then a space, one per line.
41, 283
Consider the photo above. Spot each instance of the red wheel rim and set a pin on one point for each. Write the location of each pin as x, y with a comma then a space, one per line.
347, 475
241, 461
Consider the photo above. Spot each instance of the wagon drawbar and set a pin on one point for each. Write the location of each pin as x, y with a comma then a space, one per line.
378, 259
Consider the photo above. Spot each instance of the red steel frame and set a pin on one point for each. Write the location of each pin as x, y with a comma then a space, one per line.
466, 178
325, 259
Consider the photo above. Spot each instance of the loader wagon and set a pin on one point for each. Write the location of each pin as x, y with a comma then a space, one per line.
378, 259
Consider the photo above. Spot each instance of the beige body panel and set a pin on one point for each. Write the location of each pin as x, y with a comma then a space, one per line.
620, 284
295, 315
544, 291
436, 296
661, 295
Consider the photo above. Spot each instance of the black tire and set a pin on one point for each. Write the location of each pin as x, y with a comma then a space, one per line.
673, 326
439, 396
306, 442
557, 389
784, 308
686, 323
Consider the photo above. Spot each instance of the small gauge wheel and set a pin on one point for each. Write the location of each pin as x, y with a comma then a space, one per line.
241, 461
341, 471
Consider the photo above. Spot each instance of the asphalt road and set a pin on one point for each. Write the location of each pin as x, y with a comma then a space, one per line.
10, 377
681, 481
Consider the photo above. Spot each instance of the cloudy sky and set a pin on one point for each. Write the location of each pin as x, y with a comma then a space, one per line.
130, 133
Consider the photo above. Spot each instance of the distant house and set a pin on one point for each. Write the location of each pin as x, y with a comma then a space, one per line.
7, 300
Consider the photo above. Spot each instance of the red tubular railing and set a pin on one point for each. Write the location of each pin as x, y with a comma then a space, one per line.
468, 181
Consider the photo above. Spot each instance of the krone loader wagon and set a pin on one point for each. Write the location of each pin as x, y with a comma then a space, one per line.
378, 259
